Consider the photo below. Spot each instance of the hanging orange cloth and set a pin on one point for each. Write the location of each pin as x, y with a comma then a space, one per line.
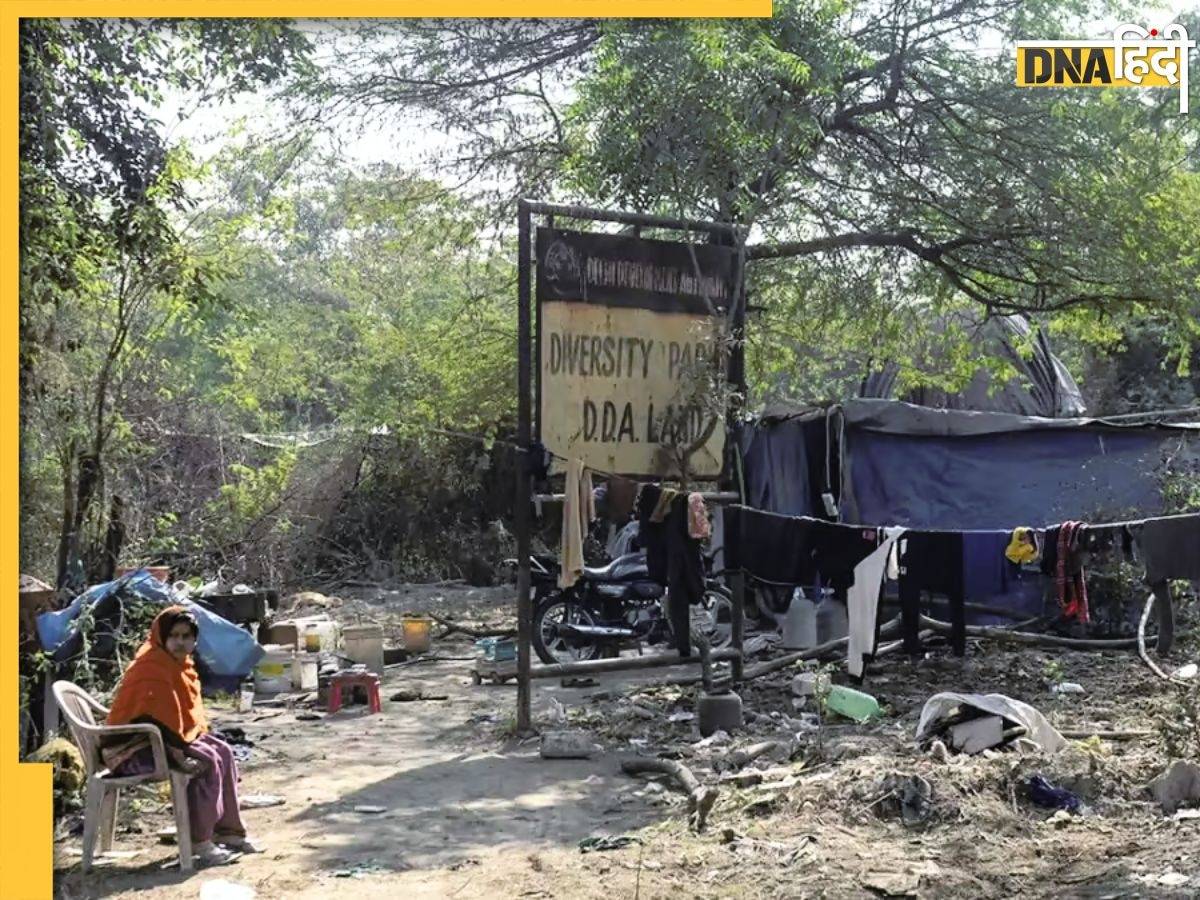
158, 685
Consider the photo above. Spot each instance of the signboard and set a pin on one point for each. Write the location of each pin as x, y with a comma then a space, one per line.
629, 331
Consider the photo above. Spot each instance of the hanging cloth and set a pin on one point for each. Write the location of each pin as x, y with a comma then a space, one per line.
862, 603
698, 524
1069, 577
579, 508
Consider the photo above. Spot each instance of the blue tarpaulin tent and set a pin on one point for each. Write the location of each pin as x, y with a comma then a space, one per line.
893, 463
223, 649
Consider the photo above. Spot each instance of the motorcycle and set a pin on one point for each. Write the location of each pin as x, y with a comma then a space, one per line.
614, 606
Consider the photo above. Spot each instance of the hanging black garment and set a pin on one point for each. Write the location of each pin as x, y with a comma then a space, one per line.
673, 559
932, 561
794, 550
771, 547
651, 534
1169, 546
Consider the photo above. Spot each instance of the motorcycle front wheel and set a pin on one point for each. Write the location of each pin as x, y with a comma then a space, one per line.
550, 646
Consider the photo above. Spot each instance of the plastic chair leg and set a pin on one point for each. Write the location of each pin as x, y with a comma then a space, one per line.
335, 697
92, 813
373, 696
108, 818
183, 825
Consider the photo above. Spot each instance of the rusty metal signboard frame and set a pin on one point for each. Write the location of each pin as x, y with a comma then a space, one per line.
579, 274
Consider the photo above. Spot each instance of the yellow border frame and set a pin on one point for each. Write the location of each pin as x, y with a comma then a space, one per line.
26, 822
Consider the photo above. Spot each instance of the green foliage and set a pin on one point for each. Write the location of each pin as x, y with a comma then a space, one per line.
254, 494
107, 273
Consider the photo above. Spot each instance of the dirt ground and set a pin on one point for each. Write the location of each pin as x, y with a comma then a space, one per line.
465, 809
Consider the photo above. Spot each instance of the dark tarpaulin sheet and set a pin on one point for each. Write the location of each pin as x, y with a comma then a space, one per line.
783, 465
1002, 480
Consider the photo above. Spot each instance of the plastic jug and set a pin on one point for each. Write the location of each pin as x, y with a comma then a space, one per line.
832, 622
800, 623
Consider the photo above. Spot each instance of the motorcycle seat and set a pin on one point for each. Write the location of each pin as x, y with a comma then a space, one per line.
623, 567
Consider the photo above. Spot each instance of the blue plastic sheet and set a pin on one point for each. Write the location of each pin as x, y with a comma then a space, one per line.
1034, 478
223, 648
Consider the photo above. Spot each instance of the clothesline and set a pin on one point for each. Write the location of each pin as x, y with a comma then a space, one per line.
1122, 524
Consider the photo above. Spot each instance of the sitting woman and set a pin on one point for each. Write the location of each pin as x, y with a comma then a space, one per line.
161, 687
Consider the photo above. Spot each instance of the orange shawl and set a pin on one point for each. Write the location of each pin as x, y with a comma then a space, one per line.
158, 685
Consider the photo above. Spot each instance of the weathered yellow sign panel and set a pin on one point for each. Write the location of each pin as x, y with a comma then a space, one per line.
620, 388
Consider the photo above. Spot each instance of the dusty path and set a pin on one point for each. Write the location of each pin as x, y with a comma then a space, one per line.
464, 806
470, 812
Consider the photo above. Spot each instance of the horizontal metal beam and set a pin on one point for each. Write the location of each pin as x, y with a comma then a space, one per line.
622, 664
628, 218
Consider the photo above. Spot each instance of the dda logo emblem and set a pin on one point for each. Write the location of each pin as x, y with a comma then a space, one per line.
1134, 57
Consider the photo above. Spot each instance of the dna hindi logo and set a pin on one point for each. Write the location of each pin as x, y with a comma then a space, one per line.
1134, 57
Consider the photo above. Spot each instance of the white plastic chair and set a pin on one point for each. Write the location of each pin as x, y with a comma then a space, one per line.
104, 788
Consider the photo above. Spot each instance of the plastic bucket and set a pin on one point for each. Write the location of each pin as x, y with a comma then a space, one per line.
364, 644
417, 634
273, 674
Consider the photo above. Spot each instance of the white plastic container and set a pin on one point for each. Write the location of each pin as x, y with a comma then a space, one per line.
273, 674
364, 644
304, 671
832, 622
800, 623
323, 626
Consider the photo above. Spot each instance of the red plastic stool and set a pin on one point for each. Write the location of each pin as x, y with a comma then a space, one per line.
368, 680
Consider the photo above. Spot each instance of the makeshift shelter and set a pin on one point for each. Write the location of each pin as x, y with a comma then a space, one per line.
885, 462
1043, 386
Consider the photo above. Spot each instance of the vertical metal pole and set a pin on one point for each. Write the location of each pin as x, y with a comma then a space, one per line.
738, 587
524, 601
737, 377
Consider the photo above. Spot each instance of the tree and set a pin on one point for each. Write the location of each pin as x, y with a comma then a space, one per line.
876, 144
101, 195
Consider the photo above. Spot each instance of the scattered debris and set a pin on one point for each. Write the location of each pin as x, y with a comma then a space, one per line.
1043, 793
808, 684
260, 801
579, 682
739, 758
1178, 786
700, 799
854, 705
483, 631
1173, 879
410, 695
599, 843
568, 745
361, 870
942, 711
909, 797
1067, 687
370, 810
1186, 673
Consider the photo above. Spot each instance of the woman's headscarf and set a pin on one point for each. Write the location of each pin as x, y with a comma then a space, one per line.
158, 685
